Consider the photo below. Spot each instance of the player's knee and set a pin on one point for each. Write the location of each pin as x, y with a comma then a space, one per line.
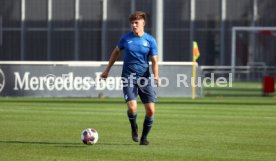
132, 106
150, 112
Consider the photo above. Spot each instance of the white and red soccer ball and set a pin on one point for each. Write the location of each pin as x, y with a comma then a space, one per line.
89, 136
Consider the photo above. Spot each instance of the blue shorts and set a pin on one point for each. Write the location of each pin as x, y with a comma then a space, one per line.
145, 91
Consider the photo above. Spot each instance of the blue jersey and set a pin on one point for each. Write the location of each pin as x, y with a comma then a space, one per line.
136, 54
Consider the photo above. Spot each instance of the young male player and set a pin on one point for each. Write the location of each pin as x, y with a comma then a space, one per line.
139, 48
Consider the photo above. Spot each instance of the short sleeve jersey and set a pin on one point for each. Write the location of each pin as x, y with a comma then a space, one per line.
136, 54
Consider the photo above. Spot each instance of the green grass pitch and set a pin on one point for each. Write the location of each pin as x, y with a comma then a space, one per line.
204, 129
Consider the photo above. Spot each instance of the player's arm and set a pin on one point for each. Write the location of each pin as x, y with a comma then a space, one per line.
155, 69
114, 56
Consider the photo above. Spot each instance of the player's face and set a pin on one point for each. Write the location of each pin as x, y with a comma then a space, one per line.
137, 26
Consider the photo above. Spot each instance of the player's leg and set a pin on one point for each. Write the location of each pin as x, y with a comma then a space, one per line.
148, 97
132, 115
130, 95
149, 118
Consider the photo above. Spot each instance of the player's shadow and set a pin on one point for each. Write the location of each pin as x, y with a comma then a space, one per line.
67, 145
60, 144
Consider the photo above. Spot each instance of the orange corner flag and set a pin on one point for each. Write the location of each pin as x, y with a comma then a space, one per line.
196, 53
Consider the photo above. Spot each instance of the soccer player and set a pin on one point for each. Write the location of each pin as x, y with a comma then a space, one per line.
139, 48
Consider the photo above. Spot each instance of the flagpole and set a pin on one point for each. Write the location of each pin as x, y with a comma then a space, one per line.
195, 56
193, 77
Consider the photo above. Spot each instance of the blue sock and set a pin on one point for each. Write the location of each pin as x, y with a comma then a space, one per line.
147, 126
132, 120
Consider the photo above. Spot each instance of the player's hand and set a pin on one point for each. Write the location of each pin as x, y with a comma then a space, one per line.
104, 75
157, 81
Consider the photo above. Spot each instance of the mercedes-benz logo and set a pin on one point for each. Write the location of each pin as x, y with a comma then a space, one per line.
2, 80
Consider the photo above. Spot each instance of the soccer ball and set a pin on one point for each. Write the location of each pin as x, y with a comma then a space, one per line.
89, 136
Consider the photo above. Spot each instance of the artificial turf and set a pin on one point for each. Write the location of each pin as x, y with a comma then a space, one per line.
204, 129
